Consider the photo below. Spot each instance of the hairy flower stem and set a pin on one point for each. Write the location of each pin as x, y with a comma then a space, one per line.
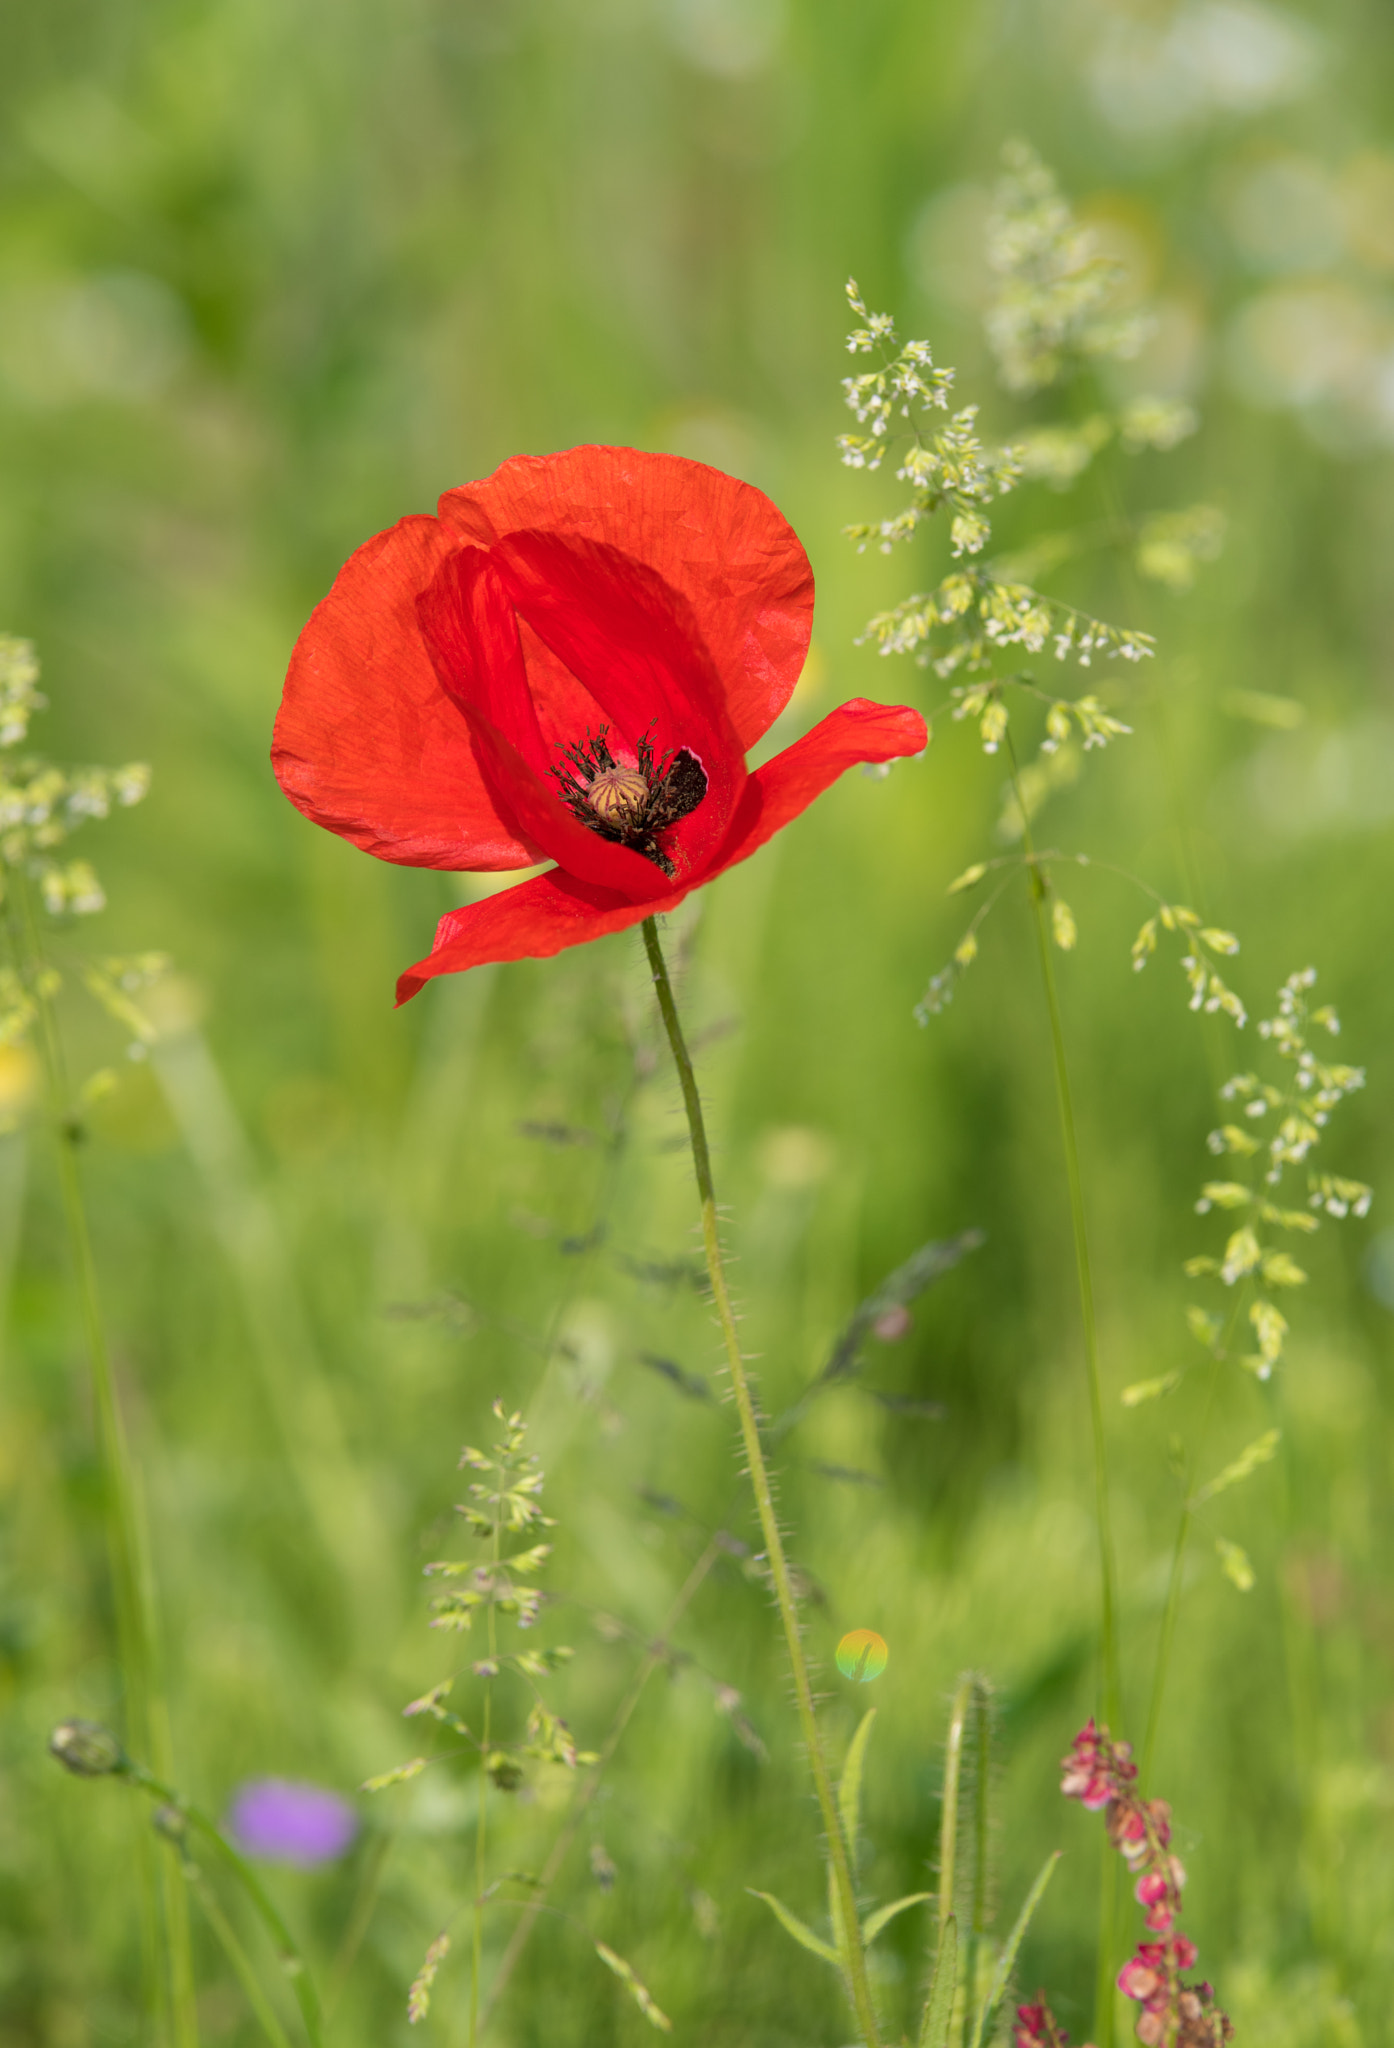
162, 1897
1110, 1688
859, 1985
971, 1698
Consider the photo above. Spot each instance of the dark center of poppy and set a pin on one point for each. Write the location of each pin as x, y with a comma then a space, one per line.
630, 805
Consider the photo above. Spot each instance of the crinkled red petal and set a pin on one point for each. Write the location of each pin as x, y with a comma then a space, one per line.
365, 742
471, 632
858, 731
553, 911
718, 542
635, 645
530, 921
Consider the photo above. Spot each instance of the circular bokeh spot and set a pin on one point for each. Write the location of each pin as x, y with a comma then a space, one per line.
862, 1654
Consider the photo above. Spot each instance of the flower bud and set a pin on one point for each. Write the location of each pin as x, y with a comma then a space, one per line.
87, 1749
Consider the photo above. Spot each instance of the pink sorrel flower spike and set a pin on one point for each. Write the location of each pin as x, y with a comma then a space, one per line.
1036, 2026
1097, 1769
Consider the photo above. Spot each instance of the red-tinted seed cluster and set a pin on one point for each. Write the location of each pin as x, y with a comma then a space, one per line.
1101, 1774
1036, 2027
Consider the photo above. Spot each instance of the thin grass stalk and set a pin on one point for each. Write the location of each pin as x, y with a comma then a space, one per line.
653, 1657
288, 1950
481, 1829
1172, 1608
163, 1901
858, 1982
242, 1966
1175, 1579
1111, 1687
360, 1919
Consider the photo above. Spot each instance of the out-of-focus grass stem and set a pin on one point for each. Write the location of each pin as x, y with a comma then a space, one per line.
1110, 1688
163, 1904
242, 1966
859, 1984
653, 1657
1178, 1558
287, 1948
481, 1828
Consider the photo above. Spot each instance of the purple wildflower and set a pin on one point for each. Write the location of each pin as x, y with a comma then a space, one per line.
287, 1822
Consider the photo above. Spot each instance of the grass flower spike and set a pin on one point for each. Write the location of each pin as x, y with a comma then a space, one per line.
567, 664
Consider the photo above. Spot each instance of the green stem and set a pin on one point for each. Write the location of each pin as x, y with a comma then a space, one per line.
948, 1830
858, 1982
1183, 1531
288, 1951
481, 1830
982, 1793
972, 1694
1111, 1688
948, 1812
360, 1919
128, 1547
237, 1956
1174, 1584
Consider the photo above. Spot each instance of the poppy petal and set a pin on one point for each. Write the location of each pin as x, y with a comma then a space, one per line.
365, 743
857, 731
718, 542
634, 644
471, 633
530, 921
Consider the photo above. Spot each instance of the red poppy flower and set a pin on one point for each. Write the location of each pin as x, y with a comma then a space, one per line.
567, 664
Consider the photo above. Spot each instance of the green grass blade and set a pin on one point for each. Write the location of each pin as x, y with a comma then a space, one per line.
792, 1924
883, 1916
849, 1791
1006, 1962
939, 2005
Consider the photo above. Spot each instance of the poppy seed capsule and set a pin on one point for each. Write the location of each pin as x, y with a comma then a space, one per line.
619, 796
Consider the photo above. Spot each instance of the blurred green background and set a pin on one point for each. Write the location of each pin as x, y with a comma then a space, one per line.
270, 277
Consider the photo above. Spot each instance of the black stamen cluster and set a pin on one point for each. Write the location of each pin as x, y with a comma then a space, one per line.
671, 788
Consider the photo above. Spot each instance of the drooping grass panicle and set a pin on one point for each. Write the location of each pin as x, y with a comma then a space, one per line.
1273, 1124
504, 1506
